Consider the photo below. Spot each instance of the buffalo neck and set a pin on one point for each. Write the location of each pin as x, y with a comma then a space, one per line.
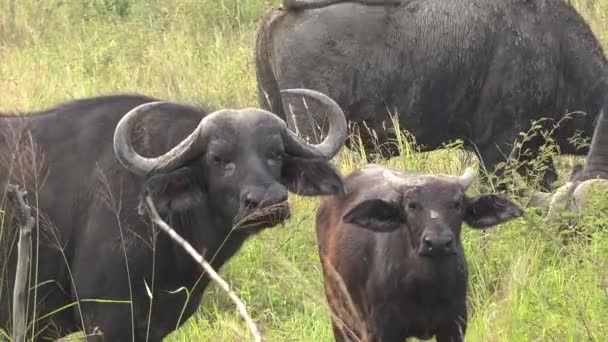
211, 236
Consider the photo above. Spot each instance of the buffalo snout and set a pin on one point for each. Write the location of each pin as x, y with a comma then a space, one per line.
256, 197
264, 205
437, 244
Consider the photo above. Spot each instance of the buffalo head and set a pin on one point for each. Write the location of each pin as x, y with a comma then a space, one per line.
432, 208
239, 163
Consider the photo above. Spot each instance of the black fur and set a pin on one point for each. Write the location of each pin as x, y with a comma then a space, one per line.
476, 70
92, 232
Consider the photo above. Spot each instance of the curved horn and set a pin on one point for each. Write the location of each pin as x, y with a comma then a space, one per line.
336, 136
597, 159
467, 178
140, 165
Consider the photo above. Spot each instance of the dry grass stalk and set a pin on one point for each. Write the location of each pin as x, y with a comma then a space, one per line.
24, 254
345, 315
207, 267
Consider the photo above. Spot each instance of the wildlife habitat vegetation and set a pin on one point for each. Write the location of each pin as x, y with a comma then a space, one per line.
529, 280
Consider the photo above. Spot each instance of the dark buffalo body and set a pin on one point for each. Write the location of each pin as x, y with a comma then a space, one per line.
477, 70
394, 239
94, 244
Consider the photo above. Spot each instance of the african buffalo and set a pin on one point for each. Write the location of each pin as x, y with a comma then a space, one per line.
583, 180
476, 70
219, 178
394, 239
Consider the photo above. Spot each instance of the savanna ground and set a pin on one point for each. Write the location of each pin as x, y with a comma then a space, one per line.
525, 284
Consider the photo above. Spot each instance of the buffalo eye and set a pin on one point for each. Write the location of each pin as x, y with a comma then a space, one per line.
275, 157
218, 160
413, 206
223, 163
455, 205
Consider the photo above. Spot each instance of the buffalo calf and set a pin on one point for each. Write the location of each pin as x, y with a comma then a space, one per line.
394, 240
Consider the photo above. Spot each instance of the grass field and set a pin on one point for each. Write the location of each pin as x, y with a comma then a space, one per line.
525, 285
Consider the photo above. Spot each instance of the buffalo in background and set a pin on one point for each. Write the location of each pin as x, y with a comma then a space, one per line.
476, 70
217, 178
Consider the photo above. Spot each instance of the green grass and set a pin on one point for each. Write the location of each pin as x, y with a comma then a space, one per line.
524, 284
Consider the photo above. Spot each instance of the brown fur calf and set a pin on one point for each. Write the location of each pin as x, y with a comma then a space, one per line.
394, 239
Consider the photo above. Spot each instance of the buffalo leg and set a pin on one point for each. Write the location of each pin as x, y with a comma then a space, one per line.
549, 175
452, 333
489, 158
109, 323
528, 162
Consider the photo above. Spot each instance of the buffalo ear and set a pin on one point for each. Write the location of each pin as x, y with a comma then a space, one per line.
174, 191
310, 176
489, 210
376, 215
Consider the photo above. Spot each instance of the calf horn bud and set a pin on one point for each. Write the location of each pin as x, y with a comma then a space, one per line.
467, 178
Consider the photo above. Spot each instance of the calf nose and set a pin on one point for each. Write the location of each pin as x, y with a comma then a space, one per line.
437, 244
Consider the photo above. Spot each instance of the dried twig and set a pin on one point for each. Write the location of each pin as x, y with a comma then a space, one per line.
206, 266
344, 314
24, 253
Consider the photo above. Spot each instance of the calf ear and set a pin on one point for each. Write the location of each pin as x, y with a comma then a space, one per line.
310, 177
174, 191
376, 215
489, 210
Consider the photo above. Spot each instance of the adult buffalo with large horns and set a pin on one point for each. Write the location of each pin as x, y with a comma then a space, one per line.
217, 178
476, 70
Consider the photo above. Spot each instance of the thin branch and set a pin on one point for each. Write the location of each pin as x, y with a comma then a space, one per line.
342, 308
206, 266
24, 254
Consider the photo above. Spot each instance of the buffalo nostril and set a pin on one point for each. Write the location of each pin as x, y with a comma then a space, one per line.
427, 242
251, 201
448, 243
